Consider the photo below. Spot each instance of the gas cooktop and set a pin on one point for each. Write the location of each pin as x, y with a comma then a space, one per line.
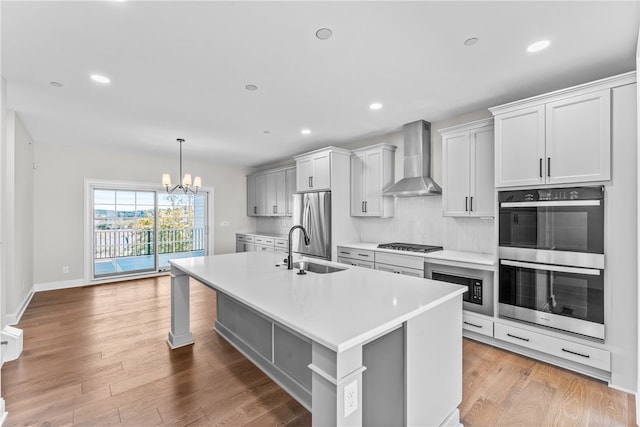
410, 247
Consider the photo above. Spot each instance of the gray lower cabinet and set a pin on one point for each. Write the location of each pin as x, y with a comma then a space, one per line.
279, 352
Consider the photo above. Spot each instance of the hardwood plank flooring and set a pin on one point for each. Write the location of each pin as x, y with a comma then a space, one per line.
97, 356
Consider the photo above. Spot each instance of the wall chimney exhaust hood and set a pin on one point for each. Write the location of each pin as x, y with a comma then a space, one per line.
417, 163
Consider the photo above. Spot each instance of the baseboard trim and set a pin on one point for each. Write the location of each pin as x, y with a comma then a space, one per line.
52, 286
14, 318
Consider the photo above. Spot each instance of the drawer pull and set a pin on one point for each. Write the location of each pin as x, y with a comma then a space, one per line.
517, 337
364, 255
472, 324
345, 253
586, 356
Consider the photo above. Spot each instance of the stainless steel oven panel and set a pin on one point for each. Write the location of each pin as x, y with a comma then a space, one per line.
573, 259
547, 267
553, 203
569, 324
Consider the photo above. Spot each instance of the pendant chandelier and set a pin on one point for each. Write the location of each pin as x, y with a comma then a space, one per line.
186, 185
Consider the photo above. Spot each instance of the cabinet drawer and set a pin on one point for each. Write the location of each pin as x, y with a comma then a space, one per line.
414, 272
359, 254
267, 248
477, 324
355, 262
261, 240
241, 238
409, 261
280, 243
575, 352
249, 238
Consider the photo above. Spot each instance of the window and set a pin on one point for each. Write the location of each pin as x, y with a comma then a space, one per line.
138, 230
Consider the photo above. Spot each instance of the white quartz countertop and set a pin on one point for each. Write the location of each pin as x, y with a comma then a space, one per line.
478, 260
338, 310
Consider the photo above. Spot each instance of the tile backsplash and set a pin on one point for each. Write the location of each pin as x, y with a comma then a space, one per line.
417, 220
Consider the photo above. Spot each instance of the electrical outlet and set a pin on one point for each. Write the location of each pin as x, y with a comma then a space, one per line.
65, 269
350, 398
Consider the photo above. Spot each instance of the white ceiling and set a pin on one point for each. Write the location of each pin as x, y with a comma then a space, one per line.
179, 68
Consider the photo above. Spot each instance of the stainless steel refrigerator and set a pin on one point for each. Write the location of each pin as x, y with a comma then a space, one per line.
313, 212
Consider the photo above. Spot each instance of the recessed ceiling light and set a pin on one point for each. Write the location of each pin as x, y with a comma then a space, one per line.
100, 79
251, 87
324, 33
538, 46
375, 106
56, 84
266, 131
471, 41
305, 131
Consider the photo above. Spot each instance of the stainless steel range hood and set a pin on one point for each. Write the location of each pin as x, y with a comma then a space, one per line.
417, 163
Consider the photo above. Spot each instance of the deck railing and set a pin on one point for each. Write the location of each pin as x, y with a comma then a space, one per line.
129, 242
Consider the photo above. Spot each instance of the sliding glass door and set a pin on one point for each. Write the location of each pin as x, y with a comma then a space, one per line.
139, 231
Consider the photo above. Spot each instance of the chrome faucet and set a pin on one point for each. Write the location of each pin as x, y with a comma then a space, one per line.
306, 242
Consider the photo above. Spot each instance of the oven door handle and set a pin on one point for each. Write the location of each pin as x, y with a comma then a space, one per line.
547, 267
550, 203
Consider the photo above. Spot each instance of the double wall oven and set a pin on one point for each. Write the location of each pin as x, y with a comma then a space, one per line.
551, 250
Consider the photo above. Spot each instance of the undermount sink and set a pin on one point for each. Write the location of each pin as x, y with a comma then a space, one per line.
316, 268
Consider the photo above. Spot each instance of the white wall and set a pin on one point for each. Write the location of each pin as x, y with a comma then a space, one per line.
59, 200
17, 218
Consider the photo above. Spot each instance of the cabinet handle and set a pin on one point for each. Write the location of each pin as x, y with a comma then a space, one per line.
472, 324
310, 182
345, 253
255, 209
586, 356
548, 166
540, 167
517, 337
362, 207
471, 204
364, 255
466, 204
365, 207
275, 209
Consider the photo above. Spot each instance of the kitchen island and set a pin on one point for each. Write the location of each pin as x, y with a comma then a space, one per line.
355, 347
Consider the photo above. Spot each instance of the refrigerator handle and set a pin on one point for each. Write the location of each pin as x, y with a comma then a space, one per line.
307, 219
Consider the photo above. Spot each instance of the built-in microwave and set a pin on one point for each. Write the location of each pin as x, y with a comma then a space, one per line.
479, 283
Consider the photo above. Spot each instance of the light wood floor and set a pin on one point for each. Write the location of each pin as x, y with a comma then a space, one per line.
97, 356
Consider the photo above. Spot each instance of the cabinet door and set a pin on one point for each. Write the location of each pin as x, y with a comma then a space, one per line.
520, 148
275, 193
321, 178
357, 185
304, 172
578, 136
290, 189
481, 191
455, 197
261, 189
372, 183
252, 209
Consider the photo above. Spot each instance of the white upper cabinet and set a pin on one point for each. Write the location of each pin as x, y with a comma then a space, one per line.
372, 170
290, 189
468, 172
256, 185
578, 134
557, 138
520, 147
269, 192
275, 193
313, 170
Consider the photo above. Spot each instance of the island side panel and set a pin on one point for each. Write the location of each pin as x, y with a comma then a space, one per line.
433, 365
180, 333
334, 375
